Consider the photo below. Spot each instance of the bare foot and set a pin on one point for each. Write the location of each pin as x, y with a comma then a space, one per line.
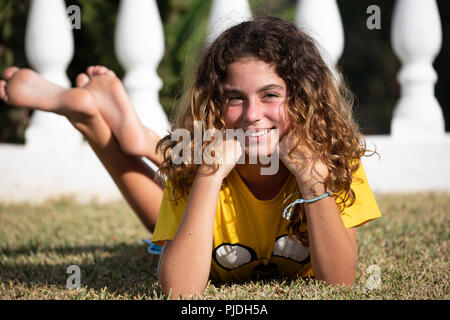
98, 93
118, 112
24, 88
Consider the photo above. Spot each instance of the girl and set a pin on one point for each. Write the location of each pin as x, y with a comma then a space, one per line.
227, 220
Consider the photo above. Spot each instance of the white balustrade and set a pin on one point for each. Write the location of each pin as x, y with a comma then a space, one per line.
416, 39
226, 14
322, 21
49, 48
139, 47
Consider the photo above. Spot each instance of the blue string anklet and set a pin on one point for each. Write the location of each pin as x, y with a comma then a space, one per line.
291, 206
153, 248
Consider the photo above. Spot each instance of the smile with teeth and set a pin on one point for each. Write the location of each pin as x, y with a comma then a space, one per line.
258, 133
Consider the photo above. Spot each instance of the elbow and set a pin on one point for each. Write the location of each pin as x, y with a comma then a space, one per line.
340, 277
345, 281
184, 282
345, 275
342, 280
174, 292
173, 288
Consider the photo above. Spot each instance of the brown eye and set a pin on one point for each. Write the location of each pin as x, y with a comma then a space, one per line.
234, 101
271, 95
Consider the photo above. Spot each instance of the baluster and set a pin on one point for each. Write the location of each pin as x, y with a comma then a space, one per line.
322, 20
225, 14
416, 39
49, 48
139, 47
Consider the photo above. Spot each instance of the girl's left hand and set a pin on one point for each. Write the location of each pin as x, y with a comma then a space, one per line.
301, 160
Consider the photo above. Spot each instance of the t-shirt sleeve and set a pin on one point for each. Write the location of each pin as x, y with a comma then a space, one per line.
169, 217
365, 208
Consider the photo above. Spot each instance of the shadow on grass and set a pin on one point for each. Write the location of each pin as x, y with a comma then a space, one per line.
126, 270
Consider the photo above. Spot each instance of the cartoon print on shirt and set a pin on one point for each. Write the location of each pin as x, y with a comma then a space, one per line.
233, 256
288, 248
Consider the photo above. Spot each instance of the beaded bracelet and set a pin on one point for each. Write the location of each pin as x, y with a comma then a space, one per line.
291, 206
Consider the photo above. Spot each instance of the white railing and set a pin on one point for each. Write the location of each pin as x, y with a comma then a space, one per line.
225, 14
321, 19
416, 39
139, 47
49, 48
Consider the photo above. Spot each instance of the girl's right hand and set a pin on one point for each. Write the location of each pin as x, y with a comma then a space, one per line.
226, 154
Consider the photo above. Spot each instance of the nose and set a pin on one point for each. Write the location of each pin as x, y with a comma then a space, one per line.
253, 110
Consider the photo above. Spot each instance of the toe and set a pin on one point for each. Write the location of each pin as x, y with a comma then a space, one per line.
82, 80
110, 73
95, 71
102, 70
2, 89
9, 72
90, 70
3, 95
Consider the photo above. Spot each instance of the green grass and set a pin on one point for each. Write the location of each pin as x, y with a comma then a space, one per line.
410, 245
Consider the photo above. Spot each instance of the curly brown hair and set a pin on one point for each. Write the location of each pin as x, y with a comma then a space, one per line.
319, 104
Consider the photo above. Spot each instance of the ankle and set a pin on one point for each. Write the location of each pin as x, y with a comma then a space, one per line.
94, 129
85, 124
78, 105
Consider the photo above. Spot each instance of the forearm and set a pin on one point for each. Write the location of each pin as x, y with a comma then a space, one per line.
185, 263
333, 252
132, 176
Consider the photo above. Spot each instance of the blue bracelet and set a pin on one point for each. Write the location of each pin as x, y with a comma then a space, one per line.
291, 206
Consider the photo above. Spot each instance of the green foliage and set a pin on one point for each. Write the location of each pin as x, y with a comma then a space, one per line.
94, 42
370, 66
185, 29
12, 36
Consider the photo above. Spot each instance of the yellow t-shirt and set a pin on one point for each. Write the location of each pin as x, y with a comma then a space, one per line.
250, 239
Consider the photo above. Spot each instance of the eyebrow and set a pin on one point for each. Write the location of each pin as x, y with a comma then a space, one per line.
265, 88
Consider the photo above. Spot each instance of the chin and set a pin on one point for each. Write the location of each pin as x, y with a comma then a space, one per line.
260, 152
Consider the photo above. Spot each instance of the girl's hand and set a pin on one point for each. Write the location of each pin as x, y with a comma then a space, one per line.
301, 161
227, 154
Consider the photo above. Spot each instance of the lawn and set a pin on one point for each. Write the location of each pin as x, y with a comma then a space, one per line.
409, 247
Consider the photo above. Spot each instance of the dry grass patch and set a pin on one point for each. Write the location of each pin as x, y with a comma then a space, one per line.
409, 245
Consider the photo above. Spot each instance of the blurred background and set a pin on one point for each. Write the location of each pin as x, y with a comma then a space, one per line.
368, 62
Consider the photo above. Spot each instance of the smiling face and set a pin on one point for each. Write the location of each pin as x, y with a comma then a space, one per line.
255, 101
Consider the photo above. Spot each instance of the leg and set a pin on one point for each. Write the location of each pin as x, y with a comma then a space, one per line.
118, 112
25, 88
133, 177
